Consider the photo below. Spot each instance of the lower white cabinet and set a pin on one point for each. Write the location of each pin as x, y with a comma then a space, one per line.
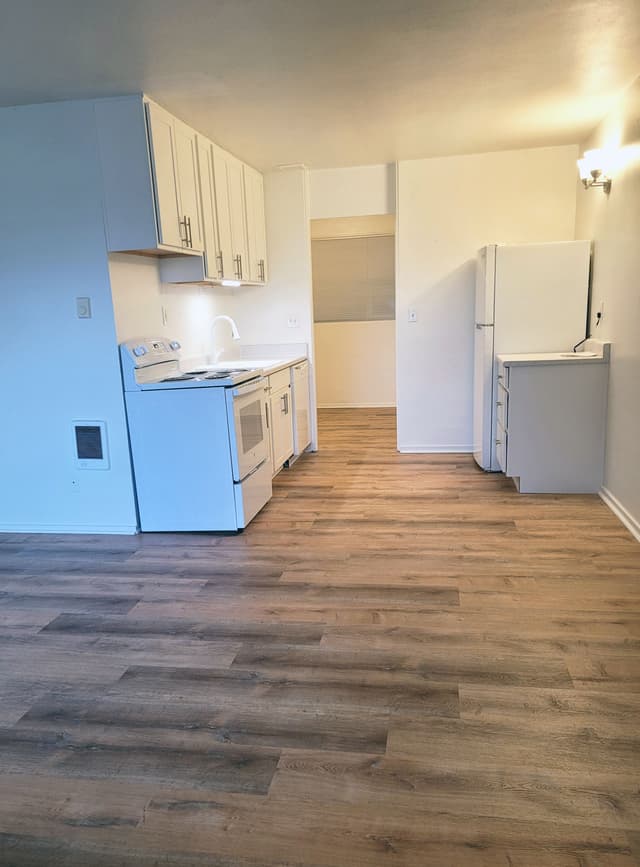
301, 411
280, 418
551, 415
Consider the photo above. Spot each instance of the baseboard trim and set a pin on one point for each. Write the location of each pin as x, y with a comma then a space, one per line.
631, 523
356, 405
76, 529
435, 450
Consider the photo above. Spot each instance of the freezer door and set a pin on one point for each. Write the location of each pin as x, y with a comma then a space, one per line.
483, 357
541, 296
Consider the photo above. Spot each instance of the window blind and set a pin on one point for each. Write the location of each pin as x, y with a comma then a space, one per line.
354, 279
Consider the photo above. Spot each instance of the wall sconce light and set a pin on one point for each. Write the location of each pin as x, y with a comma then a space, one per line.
592, 168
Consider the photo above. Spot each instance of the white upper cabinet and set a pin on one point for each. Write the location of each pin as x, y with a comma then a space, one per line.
222, 209
169, 191
165, 177
214, 259
175, 177
237, 208
188, 185
256, 234
150, 181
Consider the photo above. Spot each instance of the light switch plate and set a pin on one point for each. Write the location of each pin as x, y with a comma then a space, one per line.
83, 308
413, 316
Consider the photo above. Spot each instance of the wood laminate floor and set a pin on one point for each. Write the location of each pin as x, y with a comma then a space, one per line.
400, 662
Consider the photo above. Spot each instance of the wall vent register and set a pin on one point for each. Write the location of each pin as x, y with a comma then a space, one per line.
90, 443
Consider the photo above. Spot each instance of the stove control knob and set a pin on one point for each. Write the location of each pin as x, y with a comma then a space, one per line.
175, 345
140, 350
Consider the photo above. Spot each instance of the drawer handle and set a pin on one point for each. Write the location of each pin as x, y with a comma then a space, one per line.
498, 403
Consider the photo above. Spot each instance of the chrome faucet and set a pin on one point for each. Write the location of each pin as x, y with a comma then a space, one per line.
235, 334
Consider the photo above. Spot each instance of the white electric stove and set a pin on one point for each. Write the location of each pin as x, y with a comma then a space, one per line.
199, 440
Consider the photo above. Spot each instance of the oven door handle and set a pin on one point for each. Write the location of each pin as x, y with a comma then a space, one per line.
250, 387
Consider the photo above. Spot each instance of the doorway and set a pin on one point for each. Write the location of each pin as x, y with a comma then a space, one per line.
353, 261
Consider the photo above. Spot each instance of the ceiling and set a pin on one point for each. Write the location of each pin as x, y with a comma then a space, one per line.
336, 82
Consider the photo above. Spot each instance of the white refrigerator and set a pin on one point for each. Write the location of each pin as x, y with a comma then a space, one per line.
529, 298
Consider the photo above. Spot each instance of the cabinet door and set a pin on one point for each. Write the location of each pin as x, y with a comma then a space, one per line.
235, 178
163, 157
187, 174
302, 424
212, 259
256, 235
281, 427
223, 212
267, 409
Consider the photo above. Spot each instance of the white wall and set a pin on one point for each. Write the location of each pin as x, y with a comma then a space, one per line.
355, 363
614, 224
55, 367
447, 209
263, 313
139, 298
353, 192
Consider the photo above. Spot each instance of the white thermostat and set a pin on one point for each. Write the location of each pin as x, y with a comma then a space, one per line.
90, 445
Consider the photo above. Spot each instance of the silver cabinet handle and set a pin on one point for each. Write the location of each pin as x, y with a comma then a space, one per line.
220, 261
283, 398
498, 403
261, 269
238, 263
498, 442
189, 236
480, 325
266, 411
185, 240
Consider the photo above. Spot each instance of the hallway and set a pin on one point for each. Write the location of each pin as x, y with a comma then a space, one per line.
401, 661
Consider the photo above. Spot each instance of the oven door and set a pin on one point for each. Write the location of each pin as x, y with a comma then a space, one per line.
248, 431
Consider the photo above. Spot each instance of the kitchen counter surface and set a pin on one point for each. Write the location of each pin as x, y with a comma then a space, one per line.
597, 352
267, 366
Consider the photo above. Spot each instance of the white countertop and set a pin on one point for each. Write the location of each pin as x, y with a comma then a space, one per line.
550, 358
595, 352
266, 365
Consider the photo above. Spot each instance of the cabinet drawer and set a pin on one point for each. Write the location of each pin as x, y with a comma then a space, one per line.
280, 379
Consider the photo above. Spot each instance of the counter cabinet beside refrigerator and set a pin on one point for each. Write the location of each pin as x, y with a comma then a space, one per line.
529, 298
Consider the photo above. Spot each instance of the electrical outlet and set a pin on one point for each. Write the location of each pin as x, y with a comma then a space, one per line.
83, 308
292, 322
413, 316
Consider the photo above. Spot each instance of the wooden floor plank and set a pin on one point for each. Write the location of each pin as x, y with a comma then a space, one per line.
401, 661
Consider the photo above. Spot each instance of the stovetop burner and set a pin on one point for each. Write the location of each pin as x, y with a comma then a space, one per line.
180, 378
220, 374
